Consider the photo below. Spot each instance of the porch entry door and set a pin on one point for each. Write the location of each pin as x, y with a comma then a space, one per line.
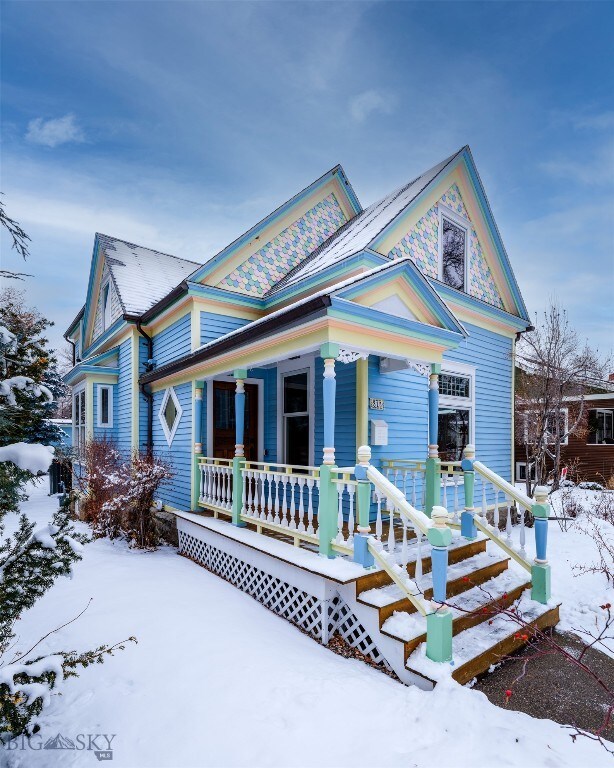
224, 435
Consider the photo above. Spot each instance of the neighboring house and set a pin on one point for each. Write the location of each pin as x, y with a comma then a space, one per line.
324, 328
65, 425
589, 452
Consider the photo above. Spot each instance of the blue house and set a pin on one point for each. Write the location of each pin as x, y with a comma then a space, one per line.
334, 390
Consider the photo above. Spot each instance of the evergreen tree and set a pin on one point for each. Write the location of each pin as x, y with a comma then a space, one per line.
31, 559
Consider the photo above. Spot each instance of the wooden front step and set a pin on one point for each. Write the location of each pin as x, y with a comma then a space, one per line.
455, 587
480, 664
455, 555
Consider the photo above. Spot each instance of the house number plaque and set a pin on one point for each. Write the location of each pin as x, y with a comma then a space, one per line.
376, 404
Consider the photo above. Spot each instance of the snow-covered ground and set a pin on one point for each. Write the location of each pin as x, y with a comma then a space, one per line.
217, 680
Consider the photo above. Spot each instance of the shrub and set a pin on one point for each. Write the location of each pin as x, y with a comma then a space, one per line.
590, 486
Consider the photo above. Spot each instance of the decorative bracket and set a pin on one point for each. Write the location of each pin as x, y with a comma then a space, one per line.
350, 356
424, 369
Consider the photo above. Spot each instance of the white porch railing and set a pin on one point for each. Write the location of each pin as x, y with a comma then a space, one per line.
282, 498
216, 484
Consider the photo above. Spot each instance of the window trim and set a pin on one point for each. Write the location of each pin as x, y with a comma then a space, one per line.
106, 305
77, 391
99, 422
525, 432
517, 472
290, 367
444, 212
609, 410
461, 369
170, 433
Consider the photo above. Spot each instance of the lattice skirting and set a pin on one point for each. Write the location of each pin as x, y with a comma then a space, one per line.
319, 618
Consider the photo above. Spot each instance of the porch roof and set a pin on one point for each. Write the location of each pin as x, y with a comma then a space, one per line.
329, 317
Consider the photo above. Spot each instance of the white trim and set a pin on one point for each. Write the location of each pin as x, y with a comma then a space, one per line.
99, 422
525, 432
170, 434
76, 393
588, 398
260, 384
444, 212
461, 369
517, 471
284, 367
602, 410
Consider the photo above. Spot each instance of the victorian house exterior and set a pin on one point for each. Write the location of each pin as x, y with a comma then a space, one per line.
334, 390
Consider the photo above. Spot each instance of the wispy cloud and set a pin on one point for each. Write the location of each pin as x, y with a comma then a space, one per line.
593, 171
362, 105
52, 133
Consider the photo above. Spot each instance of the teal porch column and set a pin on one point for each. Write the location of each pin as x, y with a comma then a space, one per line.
362, 554
439, 623
239, 457
540, 570
198, 442
433, 464
327, 508
468, 529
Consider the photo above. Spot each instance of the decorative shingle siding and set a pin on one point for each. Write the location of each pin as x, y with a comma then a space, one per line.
176, 493
422, 244
214, 325
275, 259
172, 342
116, 309
124, 397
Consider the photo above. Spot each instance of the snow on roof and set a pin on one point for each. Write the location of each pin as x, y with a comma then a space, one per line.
142, 276
360, 231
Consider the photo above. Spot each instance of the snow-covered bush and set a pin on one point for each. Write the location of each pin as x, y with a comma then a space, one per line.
117, 493
590, 486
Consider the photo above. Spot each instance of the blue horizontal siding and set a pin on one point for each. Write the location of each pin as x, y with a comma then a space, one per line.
345, 413
172, 342
124, 397
213, 325
176, 493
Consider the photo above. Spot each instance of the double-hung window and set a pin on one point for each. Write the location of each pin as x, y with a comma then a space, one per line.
79, 420
456, 412
296, 417
601, 426
453, 237
105, 405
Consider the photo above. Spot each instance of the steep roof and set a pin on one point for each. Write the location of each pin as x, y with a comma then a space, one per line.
360, 231
142, 276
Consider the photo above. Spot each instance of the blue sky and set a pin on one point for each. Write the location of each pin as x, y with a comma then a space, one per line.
179, 125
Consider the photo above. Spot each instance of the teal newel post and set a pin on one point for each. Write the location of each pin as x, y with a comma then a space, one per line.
433, 463
362, 554
198, 442
239, 457
327, 508
439, 622
468, 529
540, 570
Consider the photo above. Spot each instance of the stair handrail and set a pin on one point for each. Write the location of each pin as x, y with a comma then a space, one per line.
401, 578
514, 493
397, 497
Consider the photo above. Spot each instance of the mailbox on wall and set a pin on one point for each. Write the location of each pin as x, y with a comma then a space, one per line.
379, 432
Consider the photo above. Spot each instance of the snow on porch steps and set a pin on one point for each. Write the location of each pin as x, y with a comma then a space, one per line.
477, 648
408, 626
381, 596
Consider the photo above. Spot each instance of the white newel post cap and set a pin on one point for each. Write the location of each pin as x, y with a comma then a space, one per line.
364, 455
541, 494
440, 517
469, 452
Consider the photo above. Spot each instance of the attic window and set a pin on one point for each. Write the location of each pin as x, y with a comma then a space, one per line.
452, 252
170, 414
106, 307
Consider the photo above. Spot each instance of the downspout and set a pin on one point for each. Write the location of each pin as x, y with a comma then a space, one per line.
145, 390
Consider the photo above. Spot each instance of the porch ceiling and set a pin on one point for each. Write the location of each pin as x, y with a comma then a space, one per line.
303, 329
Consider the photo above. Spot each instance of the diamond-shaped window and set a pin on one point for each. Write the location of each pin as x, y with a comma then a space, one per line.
170, 414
